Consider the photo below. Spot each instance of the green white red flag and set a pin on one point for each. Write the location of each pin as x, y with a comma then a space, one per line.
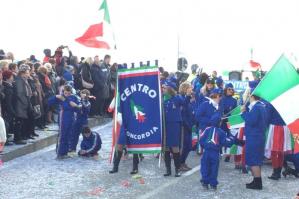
280, 87
99, 35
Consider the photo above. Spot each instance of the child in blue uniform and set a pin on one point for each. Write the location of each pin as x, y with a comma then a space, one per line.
173, 122
81, 120
90, 144
211, 140
69, 104
207, 109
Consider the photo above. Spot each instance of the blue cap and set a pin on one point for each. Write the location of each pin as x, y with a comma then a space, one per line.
219, 81
253, 85
216, 91
229, 85
170, 84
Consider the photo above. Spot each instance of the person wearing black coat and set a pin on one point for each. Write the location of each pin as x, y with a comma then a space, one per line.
85, 73
7, 103
22, 104
100, 77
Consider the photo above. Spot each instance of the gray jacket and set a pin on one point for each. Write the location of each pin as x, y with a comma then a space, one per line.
22, 98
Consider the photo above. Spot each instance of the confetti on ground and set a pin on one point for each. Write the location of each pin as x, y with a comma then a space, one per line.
96, 191
137, 176
141, 181
125, 183
1, 163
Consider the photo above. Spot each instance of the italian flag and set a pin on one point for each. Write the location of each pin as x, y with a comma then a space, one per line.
99, 35
117, 122
280, 87
235, 120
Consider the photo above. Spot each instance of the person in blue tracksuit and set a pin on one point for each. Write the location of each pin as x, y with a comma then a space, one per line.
203, 94
211, 140
294, 158
90, 144
69, 104
255, 127
227, 104
81, 120
207, 109
188, 122
173, 121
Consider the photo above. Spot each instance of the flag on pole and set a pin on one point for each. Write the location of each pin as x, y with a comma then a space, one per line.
140, 104
99, 35
280, 87
235, 120
254, 64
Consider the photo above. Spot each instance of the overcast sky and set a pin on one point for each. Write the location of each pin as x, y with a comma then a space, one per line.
216, 34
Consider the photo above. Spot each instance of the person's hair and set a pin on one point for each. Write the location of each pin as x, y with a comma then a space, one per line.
36, 66
48, 65
74, 60
161, 69
214, 95
225, 91
256, 97
2, 64
52, 61
67, 88
184, 87
170, 91
165, 74
62, 81
30, 65
88, 60
12, 66
86, 129
203, 77
85, 91
43, 70
107, 57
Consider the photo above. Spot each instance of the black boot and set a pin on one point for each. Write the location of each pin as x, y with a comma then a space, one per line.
135, 164
177, 164
116, 161
167, 160
276, 175
290, 171
255, 184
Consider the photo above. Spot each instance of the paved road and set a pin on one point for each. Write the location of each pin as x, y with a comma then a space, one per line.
39, 175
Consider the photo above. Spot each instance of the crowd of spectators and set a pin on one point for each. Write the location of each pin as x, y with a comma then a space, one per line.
26, 85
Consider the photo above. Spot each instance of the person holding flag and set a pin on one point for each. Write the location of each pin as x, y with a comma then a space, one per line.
255, 127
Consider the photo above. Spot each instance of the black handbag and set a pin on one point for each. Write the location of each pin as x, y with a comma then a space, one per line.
36, 111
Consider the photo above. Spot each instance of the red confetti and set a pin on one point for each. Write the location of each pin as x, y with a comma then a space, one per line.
125, 183
141, 181
96, 191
